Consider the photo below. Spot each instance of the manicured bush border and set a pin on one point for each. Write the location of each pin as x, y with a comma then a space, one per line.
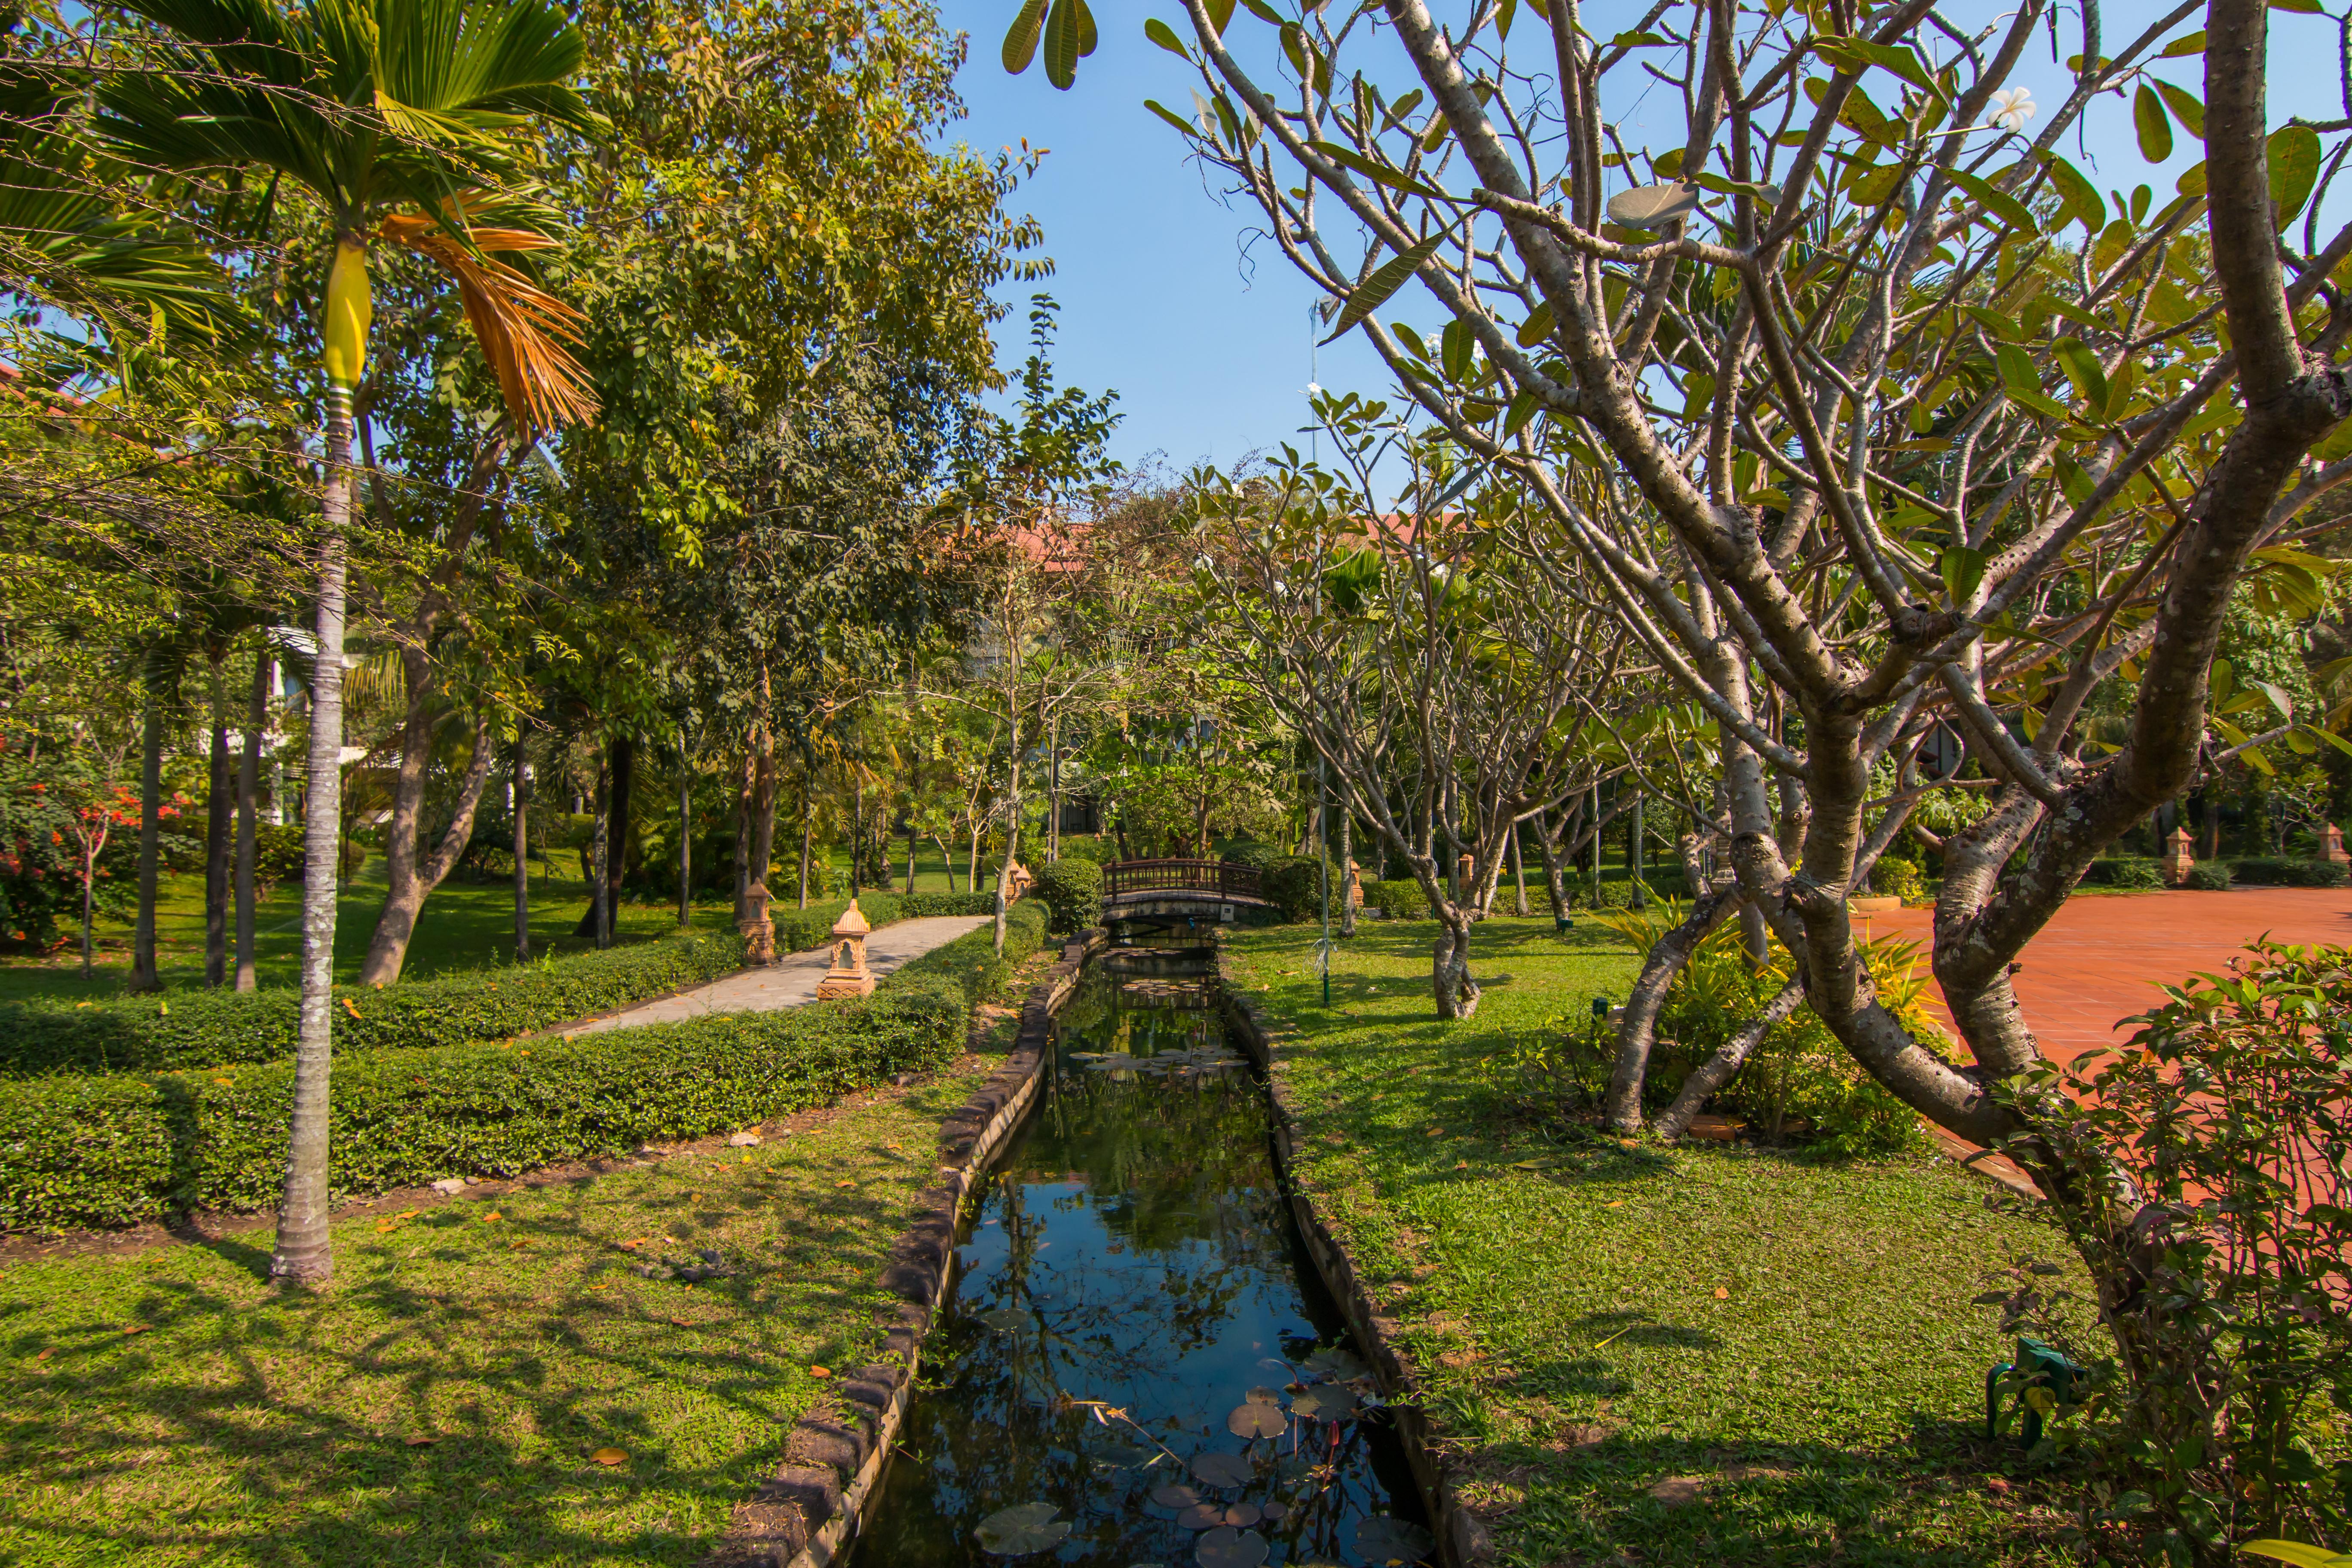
84, 1151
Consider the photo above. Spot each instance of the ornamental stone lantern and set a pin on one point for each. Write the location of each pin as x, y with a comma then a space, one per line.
2331, 845
849, 977
1355, 886
759, 931
2178, 858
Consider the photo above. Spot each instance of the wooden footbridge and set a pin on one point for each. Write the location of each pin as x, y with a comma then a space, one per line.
1160, 890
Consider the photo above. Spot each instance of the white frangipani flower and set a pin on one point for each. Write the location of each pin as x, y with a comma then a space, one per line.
2012, 107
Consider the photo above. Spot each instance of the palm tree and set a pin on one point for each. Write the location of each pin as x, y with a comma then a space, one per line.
398, 117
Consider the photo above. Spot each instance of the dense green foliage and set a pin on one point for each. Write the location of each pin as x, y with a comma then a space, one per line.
1072, 890
112, 1150
2124, 871
2277, 872
186, 1030
2216, 1403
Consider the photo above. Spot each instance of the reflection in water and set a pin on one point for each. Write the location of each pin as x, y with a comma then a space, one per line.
1131, 1253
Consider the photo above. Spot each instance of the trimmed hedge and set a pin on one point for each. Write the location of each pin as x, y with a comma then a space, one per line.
2125, 872
184, 1029
917, 906
1072, 891
2274, 872
2209, 876
797, 931
89, 1151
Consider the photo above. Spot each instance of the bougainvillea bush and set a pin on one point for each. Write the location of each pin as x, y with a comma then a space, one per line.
49, 806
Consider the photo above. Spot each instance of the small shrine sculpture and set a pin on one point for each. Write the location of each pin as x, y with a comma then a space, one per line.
849, 977
2331, 845
2178, 858
1017, 882
758, 930
1355, 886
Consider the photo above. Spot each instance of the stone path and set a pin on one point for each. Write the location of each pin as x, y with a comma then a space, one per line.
792, 979
2101, 957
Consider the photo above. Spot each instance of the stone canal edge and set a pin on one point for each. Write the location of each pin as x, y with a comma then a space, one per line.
1462, 1537
807, 1511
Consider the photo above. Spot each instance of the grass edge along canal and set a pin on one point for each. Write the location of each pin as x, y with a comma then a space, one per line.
1690, 1356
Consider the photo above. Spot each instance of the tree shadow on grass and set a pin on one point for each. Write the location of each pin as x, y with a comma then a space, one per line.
1667, 1500
277, 1428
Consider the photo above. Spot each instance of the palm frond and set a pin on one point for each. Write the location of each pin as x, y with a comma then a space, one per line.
522, 327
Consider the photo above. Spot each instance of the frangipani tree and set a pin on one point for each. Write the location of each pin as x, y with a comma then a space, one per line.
404, 121
1865, 411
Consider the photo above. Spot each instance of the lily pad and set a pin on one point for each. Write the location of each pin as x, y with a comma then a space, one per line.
1251, 1419
1021, 1529
1222, 1470
1227, 1547
1326, 1401
1201, 1516
1275, 1513
1334, 1364
1382, 1538
1005, 1320
1243, 1514
1174, 1495
1264, 1396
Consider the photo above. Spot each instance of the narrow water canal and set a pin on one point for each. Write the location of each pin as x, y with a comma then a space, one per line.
1140, 1365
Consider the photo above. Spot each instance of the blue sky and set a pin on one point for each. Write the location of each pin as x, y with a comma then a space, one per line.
1207, 346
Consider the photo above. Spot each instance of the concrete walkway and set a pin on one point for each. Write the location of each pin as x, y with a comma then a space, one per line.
792, 979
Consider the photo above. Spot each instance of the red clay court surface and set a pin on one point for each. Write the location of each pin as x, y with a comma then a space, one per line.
2102, 957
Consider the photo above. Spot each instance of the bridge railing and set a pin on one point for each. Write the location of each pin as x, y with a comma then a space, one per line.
1219, 876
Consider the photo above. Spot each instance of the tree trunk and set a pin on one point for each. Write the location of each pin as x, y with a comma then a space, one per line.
1519, 876
1449, 975
521, 853
743, 837
219, 786
302, 1253
1716, 1070
1555, 876
600, 884
89, 901
1636, 1028
684, 836
1012, 832
248, 821
619, 770
412, 881
808, 846
946, 860
910, 854
857, 836
763, 809
144, 976
1347, 872
1053, 793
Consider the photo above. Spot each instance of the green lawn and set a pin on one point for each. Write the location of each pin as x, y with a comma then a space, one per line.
1789, 1338
465, 925
239, 1425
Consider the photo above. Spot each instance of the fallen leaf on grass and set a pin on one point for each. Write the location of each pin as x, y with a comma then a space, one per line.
847, 1181
820, 1372
423, 1439
492, 1217
138, 1328
681, 1323
46, 1354
1614, 1204
1461, 1164
610, 1457
1721, 1294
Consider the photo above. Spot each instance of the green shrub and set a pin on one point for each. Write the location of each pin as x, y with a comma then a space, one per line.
1072, 891
920, 906
1257, 856
2125, 872
80, 1151
2278, 871
208, 1028
1399, 900
2215, 1404
2209, 876
797, 931
1898, 879
1294, 884
1101, 851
